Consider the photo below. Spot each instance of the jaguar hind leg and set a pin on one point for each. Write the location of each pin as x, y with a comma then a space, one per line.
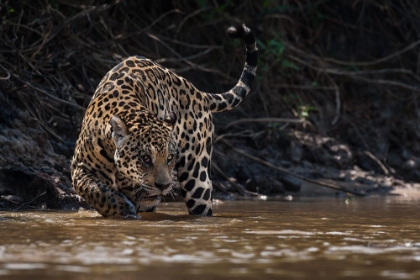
194, 175
197, 194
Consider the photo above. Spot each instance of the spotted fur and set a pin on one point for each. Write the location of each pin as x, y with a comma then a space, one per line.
143, 121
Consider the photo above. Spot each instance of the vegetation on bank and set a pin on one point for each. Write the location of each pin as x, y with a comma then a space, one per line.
342, 70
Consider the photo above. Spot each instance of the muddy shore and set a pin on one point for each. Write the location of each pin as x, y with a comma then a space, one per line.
336, 100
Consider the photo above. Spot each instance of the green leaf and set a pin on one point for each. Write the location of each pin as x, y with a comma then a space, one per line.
202, 4
224, 6
265, 3
289, 64
261, 45
277, 47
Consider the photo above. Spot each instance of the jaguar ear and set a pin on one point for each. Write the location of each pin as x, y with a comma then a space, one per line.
119, 128
171, 119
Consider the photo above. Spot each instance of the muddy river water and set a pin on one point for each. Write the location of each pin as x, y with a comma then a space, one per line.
307, 238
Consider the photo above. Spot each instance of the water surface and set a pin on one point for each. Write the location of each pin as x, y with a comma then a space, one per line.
307, 238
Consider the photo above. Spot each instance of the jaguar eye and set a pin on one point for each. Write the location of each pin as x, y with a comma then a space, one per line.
170, 158
146, 159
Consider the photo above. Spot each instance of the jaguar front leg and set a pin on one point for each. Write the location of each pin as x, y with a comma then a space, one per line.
105, 200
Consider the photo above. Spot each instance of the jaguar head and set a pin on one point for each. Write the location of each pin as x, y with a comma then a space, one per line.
145, 153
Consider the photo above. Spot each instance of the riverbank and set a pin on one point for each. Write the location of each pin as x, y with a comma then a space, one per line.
336, 99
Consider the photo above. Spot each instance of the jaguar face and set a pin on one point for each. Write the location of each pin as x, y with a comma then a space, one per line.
146, 153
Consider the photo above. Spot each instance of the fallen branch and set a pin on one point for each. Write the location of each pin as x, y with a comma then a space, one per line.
13, 201
383, 167
233, 182
29, 202
266, 163
221, 187
302, 120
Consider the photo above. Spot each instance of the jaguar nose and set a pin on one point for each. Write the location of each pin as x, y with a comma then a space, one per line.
162, 186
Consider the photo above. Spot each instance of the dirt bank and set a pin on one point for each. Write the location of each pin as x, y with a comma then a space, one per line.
336, 100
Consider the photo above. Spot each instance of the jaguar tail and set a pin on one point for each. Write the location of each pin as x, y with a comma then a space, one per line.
220, 102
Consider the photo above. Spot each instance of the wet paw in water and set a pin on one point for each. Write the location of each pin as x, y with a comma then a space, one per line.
132, 217
126, 217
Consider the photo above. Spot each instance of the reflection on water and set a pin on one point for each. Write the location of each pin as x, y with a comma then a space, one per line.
306, 238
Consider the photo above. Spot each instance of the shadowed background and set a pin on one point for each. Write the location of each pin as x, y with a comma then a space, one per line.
336, 95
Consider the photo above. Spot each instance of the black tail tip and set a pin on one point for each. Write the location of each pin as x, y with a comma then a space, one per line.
238, 31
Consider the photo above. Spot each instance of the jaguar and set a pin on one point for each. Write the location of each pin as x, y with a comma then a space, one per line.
144, 121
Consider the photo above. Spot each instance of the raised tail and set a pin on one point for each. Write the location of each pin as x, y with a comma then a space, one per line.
220, 102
